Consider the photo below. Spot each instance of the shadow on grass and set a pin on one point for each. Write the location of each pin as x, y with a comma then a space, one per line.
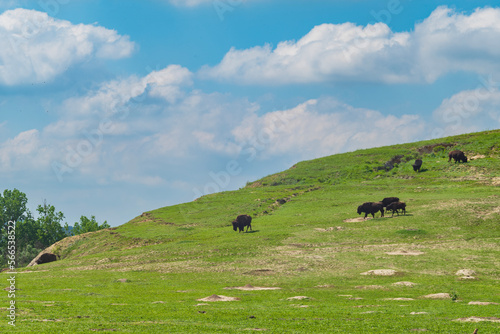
400, 215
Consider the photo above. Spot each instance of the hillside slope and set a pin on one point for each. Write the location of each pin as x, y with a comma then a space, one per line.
308, 240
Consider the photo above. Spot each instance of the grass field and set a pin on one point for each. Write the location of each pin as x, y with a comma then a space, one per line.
307, 240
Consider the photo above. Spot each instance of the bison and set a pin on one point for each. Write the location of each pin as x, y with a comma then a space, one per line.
371, 208
416, 166
241, 221
395, 206
388, 200
458, 156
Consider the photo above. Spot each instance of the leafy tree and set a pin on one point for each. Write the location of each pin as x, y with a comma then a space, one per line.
12, 206
49, 225
27, 232
87, 225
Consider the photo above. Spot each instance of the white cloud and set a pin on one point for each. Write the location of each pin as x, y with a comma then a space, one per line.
445, 42
166, 84
448, 41
322, 127
35, 47
468, 111
327, 52
23, 152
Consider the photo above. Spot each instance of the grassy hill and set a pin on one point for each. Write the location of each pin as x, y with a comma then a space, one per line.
148, 274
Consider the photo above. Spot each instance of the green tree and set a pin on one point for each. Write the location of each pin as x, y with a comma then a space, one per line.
12, 206
87, 225
49, 225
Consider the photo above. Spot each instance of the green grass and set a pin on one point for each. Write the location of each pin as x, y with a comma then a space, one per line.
302, 243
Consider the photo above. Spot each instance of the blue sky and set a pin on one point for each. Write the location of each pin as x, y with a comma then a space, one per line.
112, 108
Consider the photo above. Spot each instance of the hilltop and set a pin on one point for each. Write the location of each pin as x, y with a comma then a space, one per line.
309, 241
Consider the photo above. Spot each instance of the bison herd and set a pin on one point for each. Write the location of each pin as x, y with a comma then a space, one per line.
457, 156
368, 208
389, 203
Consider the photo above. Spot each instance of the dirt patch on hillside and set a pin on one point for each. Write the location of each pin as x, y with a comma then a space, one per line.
482, 303
298, 298
495, 181
441, 295
250, 287
430, 148
478, 319
380, 272
329, 229
404, 252
356, 220
407, 284
217, 298
371, 287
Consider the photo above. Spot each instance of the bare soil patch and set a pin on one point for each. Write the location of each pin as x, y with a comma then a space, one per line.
478, 319
217, 298
371, 287
329, 229
380, 272
482, 303
408, 284
298, 298
441, 295
405, 252
465, 272
356, 220
400, 299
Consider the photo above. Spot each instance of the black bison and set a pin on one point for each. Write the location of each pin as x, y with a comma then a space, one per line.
457, 156
395, 206
371, 208
388, 200
416, 166
241, 221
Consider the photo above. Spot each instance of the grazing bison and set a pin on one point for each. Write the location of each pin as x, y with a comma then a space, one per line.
457, 156
395, 206
371, 208
388, 200
241, 221
416, 166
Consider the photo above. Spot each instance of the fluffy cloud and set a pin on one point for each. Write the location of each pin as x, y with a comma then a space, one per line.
322, 127
468, 111
445, 42
448, 41
20, 152
35, 47
138, 128
166, 84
